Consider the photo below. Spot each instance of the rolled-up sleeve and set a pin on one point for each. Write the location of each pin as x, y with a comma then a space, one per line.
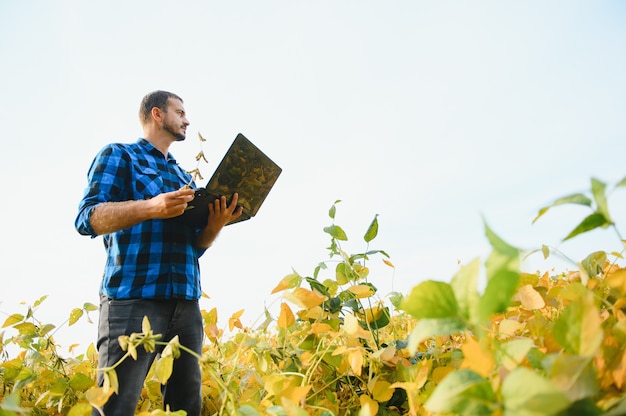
104, 183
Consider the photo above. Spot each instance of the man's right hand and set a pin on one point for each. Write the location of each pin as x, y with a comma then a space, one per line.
170, 204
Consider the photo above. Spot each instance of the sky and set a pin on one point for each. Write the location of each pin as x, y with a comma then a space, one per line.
434, 116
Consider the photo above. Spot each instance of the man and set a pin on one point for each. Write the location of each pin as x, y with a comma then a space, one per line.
134, 191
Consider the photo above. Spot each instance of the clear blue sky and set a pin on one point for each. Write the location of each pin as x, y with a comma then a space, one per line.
431, 114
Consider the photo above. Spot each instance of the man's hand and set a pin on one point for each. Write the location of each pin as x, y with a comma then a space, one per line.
220, 214
170, 204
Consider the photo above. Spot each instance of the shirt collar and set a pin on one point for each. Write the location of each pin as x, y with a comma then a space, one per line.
154, 151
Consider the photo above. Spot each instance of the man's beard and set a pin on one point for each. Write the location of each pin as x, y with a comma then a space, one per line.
178, 136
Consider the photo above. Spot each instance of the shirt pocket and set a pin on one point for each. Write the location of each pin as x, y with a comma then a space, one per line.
148, 182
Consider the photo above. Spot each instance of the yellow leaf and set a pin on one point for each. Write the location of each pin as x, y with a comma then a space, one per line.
212, 332
340, 350
509, 327
80, 409
306, 298
75, 315
295, 393
382, 391
145, 325
209, 317
617, 280
286, 317
98, 396
530, 298
619, 372
386, 354
388, 263
291, 408
440, 373
111, 382
320, 328
369, 407
315, 313
361, 291
274, 383
13, 319
163, 368
288, 282
353, 329
477, 358
355, 358
373, 314
234, 321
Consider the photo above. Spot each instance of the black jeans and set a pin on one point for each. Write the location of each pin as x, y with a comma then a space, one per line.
168, 318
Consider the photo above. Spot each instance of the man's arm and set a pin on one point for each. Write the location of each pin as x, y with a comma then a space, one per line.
109, 217
220, 214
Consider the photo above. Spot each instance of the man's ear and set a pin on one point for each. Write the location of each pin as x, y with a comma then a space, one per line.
157, 114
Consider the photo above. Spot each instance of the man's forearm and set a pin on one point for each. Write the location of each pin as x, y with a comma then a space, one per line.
109, 217
206, 237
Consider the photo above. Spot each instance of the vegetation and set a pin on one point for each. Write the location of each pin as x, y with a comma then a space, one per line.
528, 344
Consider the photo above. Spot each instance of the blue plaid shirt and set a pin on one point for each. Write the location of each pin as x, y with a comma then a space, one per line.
155, 259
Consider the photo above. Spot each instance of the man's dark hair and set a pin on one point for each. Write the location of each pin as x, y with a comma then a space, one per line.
154, 99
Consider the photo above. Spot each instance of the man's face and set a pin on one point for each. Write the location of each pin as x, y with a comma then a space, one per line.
174, 120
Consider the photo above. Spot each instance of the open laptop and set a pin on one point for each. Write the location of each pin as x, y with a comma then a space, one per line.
244, 169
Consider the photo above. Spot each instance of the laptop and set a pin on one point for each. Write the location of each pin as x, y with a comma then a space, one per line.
244, 169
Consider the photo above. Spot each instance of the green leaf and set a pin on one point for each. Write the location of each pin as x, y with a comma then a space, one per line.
396, 299
591, 222
618, 409
247, 410
39, 301
579, 199
316, 285
426, 328
499, 244
81, 382
598, 189
579, 327
575, 375
337, 232
497, 262
465, 287
372, 231
333, 209
75, 315
621, 183
59, 387
46, 329
462, 392
26, 328
498, 293
11, 403
431, 299
512, 353
89, 307
594, 263
526, 393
